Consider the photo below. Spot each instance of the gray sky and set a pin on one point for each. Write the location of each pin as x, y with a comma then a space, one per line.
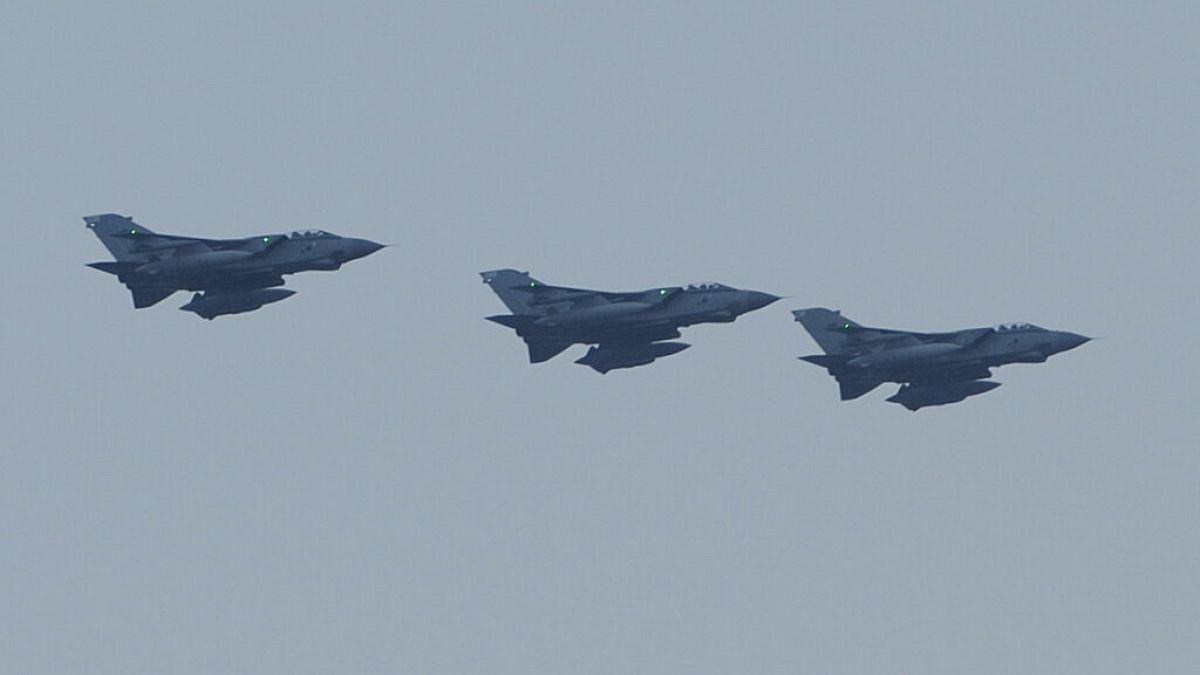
371, 478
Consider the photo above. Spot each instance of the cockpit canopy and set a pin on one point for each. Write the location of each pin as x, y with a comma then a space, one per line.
1014, 327
313, 234
708, 286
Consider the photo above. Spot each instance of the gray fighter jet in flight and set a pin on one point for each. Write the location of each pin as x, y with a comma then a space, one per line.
232, 275
932, 368
625, 329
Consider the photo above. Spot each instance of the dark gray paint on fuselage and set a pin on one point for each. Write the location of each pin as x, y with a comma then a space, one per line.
934, 365
229, 272
626, 327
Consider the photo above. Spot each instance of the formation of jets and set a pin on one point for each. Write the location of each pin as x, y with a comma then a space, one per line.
622, 329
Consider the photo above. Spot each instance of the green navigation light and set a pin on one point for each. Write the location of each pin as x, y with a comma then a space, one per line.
846, 325
132, 232
532, 284
662, 291
266, 239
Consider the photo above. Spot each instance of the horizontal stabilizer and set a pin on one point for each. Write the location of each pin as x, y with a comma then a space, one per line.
824, 360
117, 268
544, 351
851, 389
516, 321
144, 296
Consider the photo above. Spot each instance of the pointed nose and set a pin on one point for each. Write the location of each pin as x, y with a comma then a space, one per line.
361, 248
1071, 341
758, 300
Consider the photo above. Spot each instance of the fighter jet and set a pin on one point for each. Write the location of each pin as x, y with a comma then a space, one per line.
932, 368
625, 329
232, 275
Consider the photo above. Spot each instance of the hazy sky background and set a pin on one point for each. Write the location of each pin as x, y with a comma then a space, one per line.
369, 477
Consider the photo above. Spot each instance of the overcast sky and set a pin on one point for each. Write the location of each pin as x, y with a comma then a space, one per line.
371, 478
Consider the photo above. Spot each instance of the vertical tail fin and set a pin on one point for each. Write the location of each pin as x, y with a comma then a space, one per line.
119, 234
506, 283
827, 326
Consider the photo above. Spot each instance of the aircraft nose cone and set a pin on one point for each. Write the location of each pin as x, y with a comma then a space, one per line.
362, 248
1072, 340
758, 300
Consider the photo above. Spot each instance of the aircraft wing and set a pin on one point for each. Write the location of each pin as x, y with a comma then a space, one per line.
970, 337
147, 293
863, 335
256, 245
888, 337
582, 297
169, 244
575, 298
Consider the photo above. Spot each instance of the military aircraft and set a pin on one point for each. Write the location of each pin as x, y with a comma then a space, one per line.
932, 368
233, 275
625, 329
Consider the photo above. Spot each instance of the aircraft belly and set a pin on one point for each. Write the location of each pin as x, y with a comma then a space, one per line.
908, 356
237, 269
610, 332
239, 278
942, 369
621, 312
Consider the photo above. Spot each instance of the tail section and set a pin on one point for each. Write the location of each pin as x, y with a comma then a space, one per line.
828, 327
506, 283
119, 234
